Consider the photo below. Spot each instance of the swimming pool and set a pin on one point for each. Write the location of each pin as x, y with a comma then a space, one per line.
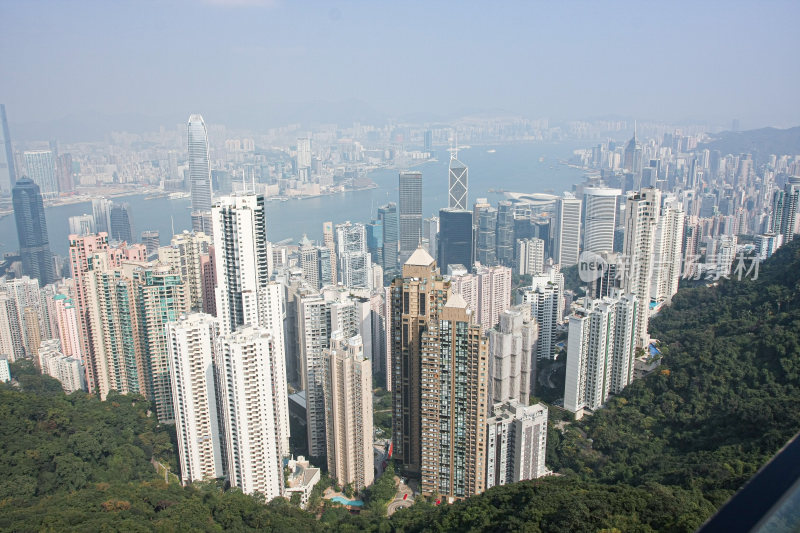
345, 501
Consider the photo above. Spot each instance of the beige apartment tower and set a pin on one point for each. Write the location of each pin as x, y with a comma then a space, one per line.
348, 412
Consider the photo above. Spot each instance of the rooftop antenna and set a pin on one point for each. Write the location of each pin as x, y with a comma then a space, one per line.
253, 178
172, 219
454, 150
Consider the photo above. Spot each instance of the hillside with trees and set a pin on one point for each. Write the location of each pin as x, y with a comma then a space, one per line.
663, 456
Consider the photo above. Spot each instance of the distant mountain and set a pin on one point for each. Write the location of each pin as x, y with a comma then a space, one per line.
760, 143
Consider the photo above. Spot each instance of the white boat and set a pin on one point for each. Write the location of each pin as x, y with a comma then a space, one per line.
492, 151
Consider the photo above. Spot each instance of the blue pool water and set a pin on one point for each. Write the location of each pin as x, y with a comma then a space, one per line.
345, 501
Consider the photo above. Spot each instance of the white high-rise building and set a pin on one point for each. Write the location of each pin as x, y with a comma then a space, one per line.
516, 443
641, 220
355, 261
494, 294
11, 337
567, 239
303, 157
199, 174
530, 256
589, 356
348, 412
245, 295
254, 452
627, 307
600, 219
319, 315
201, 446
67, 370
512, 356
81, 225
101, 212
600, 351
546, 300
667, 252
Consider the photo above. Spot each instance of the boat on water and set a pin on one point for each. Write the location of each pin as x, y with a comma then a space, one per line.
492, 151
541, 159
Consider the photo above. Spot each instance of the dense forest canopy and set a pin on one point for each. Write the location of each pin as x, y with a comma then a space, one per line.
663, 456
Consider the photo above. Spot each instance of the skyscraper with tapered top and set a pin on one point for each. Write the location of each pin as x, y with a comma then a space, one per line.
199, 174
459, 183
34, 244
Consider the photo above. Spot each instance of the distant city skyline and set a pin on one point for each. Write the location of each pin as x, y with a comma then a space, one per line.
119, 64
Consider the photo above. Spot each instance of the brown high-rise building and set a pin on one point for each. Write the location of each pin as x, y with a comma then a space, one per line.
416, 300
454, 403
439, 381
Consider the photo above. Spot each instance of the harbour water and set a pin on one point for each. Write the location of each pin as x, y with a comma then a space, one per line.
522, 167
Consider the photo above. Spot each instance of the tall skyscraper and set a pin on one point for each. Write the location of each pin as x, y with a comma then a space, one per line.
303, 160
430, 235
348, 412
454, 403
64, 173
330, 243
249, 410
121, 220
245, 294
505, 233
785, 208
101, 210
641, 221
568, 230
351, 251
201, 446
199, 174
486, 246
600, 218
455, 238
8, 172
387, 214
42, 170
34, 244
375, 241
415, 301
410, 213
458, 190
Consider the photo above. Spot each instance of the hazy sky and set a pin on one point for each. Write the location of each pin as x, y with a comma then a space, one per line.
246, 61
